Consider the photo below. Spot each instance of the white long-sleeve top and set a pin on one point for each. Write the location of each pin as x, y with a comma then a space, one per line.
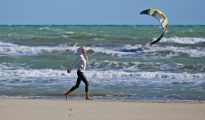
79, 63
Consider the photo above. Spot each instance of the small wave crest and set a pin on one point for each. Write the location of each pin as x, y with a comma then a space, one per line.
14, 49
197, 52
8, 72
183, 40
124, 50
169, 51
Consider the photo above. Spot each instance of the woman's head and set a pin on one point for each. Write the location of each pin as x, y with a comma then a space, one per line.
81, 50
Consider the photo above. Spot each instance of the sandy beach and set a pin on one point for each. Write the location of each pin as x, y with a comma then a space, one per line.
21, 109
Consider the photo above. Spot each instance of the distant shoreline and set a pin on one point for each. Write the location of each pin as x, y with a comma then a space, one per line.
104, 100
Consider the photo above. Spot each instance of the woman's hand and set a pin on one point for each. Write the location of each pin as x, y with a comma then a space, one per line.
68, 71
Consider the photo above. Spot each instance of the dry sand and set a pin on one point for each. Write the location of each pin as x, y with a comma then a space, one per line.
21, 109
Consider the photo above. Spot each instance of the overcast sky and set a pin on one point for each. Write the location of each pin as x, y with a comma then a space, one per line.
124, 12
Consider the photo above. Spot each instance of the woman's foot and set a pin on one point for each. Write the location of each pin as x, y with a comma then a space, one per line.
66, 95
88, 98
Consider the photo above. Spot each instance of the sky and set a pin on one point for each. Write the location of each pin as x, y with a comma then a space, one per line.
99, 12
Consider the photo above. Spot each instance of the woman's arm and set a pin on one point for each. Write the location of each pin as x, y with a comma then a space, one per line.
77, 60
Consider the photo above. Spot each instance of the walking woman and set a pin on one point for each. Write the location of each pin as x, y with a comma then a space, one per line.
80, 64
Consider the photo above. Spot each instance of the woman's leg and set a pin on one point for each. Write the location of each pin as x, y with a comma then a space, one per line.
84, 79
74, 87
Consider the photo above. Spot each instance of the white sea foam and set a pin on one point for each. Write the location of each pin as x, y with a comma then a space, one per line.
174, 51
183, 40
197, 52
14, 49
69, 32
9, 72
44, 28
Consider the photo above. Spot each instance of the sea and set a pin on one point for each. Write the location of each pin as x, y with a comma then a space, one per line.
34, 59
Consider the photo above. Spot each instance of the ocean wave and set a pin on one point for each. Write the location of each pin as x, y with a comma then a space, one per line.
67, 34
197, 52
11, 72
171, 51
133, 66
14, 49
155, 76
125, 50
183, 40
44, 28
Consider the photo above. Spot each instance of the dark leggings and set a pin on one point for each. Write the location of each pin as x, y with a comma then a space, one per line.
82, 77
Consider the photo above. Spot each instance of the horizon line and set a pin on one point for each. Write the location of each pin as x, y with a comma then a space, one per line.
99, 24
